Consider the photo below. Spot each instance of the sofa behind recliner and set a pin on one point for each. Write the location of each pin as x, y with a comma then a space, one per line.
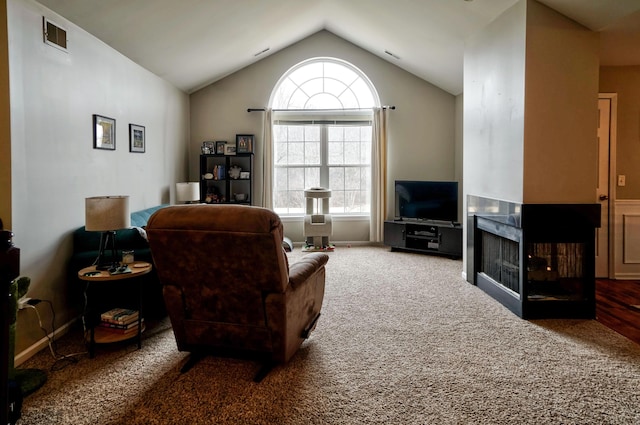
86, 246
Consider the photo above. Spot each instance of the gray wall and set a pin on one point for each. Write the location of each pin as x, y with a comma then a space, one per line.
53, 164
422, 141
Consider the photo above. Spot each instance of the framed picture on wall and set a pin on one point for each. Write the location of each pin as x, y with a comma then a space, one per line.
136, 138
244, 143
104, 133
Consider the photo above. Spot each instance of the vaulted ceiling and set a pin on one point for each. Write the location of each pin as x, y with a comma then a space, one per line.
192, 43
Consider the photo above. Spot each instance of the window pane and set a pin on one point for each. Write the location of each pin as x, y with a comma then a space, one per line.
283, 94
352, 134
363, 93
307, 72
313, 86
323, 101
312, 133
296, 178
336, 153
296, 153
352, 178
279, 132
312, 177
349, 100
333, 86
297, 100
280, 153
366, 133
339, 72
280, 178
365, 153
312, 153
280, 200
352, 152
336, 178
336, 202
296, 202
295, 133
336, 134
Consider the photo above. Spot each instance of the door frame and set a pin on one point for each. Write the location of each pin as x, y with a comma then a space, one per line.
613, 98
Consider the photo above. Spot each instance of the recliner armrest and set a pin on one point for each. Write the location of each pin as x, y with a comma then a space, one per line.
304, 268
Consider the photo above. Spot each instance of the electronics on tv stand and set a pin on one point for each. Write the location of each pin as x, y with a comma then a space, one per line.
427, 221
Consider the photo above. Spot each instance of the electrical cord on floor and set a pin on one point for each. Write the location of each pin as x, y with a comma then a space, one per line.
61, 360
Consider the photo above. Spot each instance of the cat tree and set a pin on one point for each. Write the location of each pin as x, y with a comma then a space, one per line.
317, 220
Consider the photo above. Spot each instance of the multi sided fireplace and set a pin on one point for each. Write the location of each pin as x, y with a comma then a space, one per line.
538, 260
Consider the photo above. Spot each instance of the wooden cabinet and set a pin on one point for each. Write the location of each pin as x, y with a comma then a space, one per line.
226, 179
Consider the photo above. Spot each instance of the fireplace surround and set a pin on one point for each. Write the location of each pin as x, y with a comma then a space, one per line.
538, 260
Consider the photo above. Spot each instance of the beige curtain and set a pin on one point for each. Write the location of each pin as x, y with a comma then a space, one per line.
378, 175
267, 160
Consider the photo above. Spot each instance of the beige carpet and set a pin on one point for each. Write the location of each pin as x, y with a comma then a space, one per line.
403, 339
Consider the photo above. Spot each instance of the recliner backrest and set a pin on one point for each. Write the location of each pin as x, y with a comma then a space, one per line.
221, 257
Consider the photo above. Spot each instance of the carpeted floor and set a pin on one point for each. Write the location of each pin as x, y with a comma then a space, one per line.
403, 339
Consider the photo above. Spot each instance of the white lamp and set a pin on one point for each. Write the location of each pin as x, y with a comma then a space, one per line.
107, 214
188, 192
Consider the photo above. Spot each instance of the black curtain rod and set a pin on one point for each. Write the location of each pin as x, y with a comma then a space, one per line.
315, 110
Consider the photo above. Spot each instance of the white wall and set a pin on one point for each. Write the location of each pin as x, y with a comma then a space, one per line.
54, 166
494, 82
421, 129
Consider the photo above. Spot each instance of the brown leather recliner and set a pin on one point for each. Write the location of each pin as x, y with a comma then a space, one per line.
227, 284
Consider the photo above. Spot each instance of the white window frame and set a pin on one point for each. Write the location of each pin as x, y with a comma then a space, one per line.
345, 116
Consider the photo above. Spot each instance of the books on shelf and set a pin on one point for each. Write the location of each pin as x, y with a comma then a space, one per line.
120, 316
121, 329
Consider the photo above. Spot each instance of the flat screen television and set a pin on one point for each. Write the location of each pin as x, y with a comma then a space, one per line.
427, 200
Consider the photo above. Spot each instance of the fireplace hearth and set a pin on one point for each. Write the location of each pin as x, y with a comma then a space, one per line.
538, 260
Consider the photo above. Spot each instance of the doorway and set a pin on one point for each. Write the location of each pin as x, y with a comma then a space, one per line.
605, 186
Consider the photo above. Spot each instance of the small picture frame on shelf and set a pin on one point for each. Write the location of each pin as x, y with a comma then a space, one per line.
136, 138
245, 175
208, 147
220, 147
104, 133
229, 149
244, 143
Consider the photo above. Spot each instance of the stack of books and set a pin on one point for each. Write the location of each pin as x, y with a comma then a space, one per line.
120, 320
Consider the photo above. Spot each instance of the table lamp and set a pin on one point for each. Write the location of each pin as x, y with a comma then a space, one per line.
107, 214
188, 192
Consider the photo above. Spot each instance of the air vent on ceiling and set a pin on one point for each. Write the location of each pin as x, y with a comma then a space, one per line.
54, 35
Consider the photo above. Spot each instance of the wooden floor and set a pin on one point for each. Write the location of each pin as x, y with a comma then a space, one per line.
618, 306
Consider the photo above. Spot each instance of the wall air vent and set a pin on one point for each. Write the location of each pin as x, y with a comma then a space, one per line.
54, 35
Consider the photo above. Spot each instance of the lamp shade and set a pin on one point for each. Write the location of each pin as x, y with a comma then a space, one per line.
106, 213
187, 192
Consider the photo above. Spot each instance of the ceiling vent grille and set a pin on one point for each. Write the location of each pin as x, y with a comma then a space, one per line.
54, 35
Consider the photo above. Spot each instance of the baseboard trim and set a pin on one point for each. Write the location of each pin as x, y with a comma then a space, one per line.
627, 276
35, 348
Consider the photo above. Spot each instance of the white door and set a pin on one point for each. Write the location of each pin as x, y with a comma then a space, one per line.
602, 191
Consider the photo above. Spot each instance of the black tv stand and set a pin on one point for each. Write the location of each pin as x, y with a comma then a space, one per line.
425, 236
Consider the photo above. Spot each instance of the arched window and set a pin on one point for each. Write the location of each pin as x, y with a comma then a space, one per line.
322, 136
